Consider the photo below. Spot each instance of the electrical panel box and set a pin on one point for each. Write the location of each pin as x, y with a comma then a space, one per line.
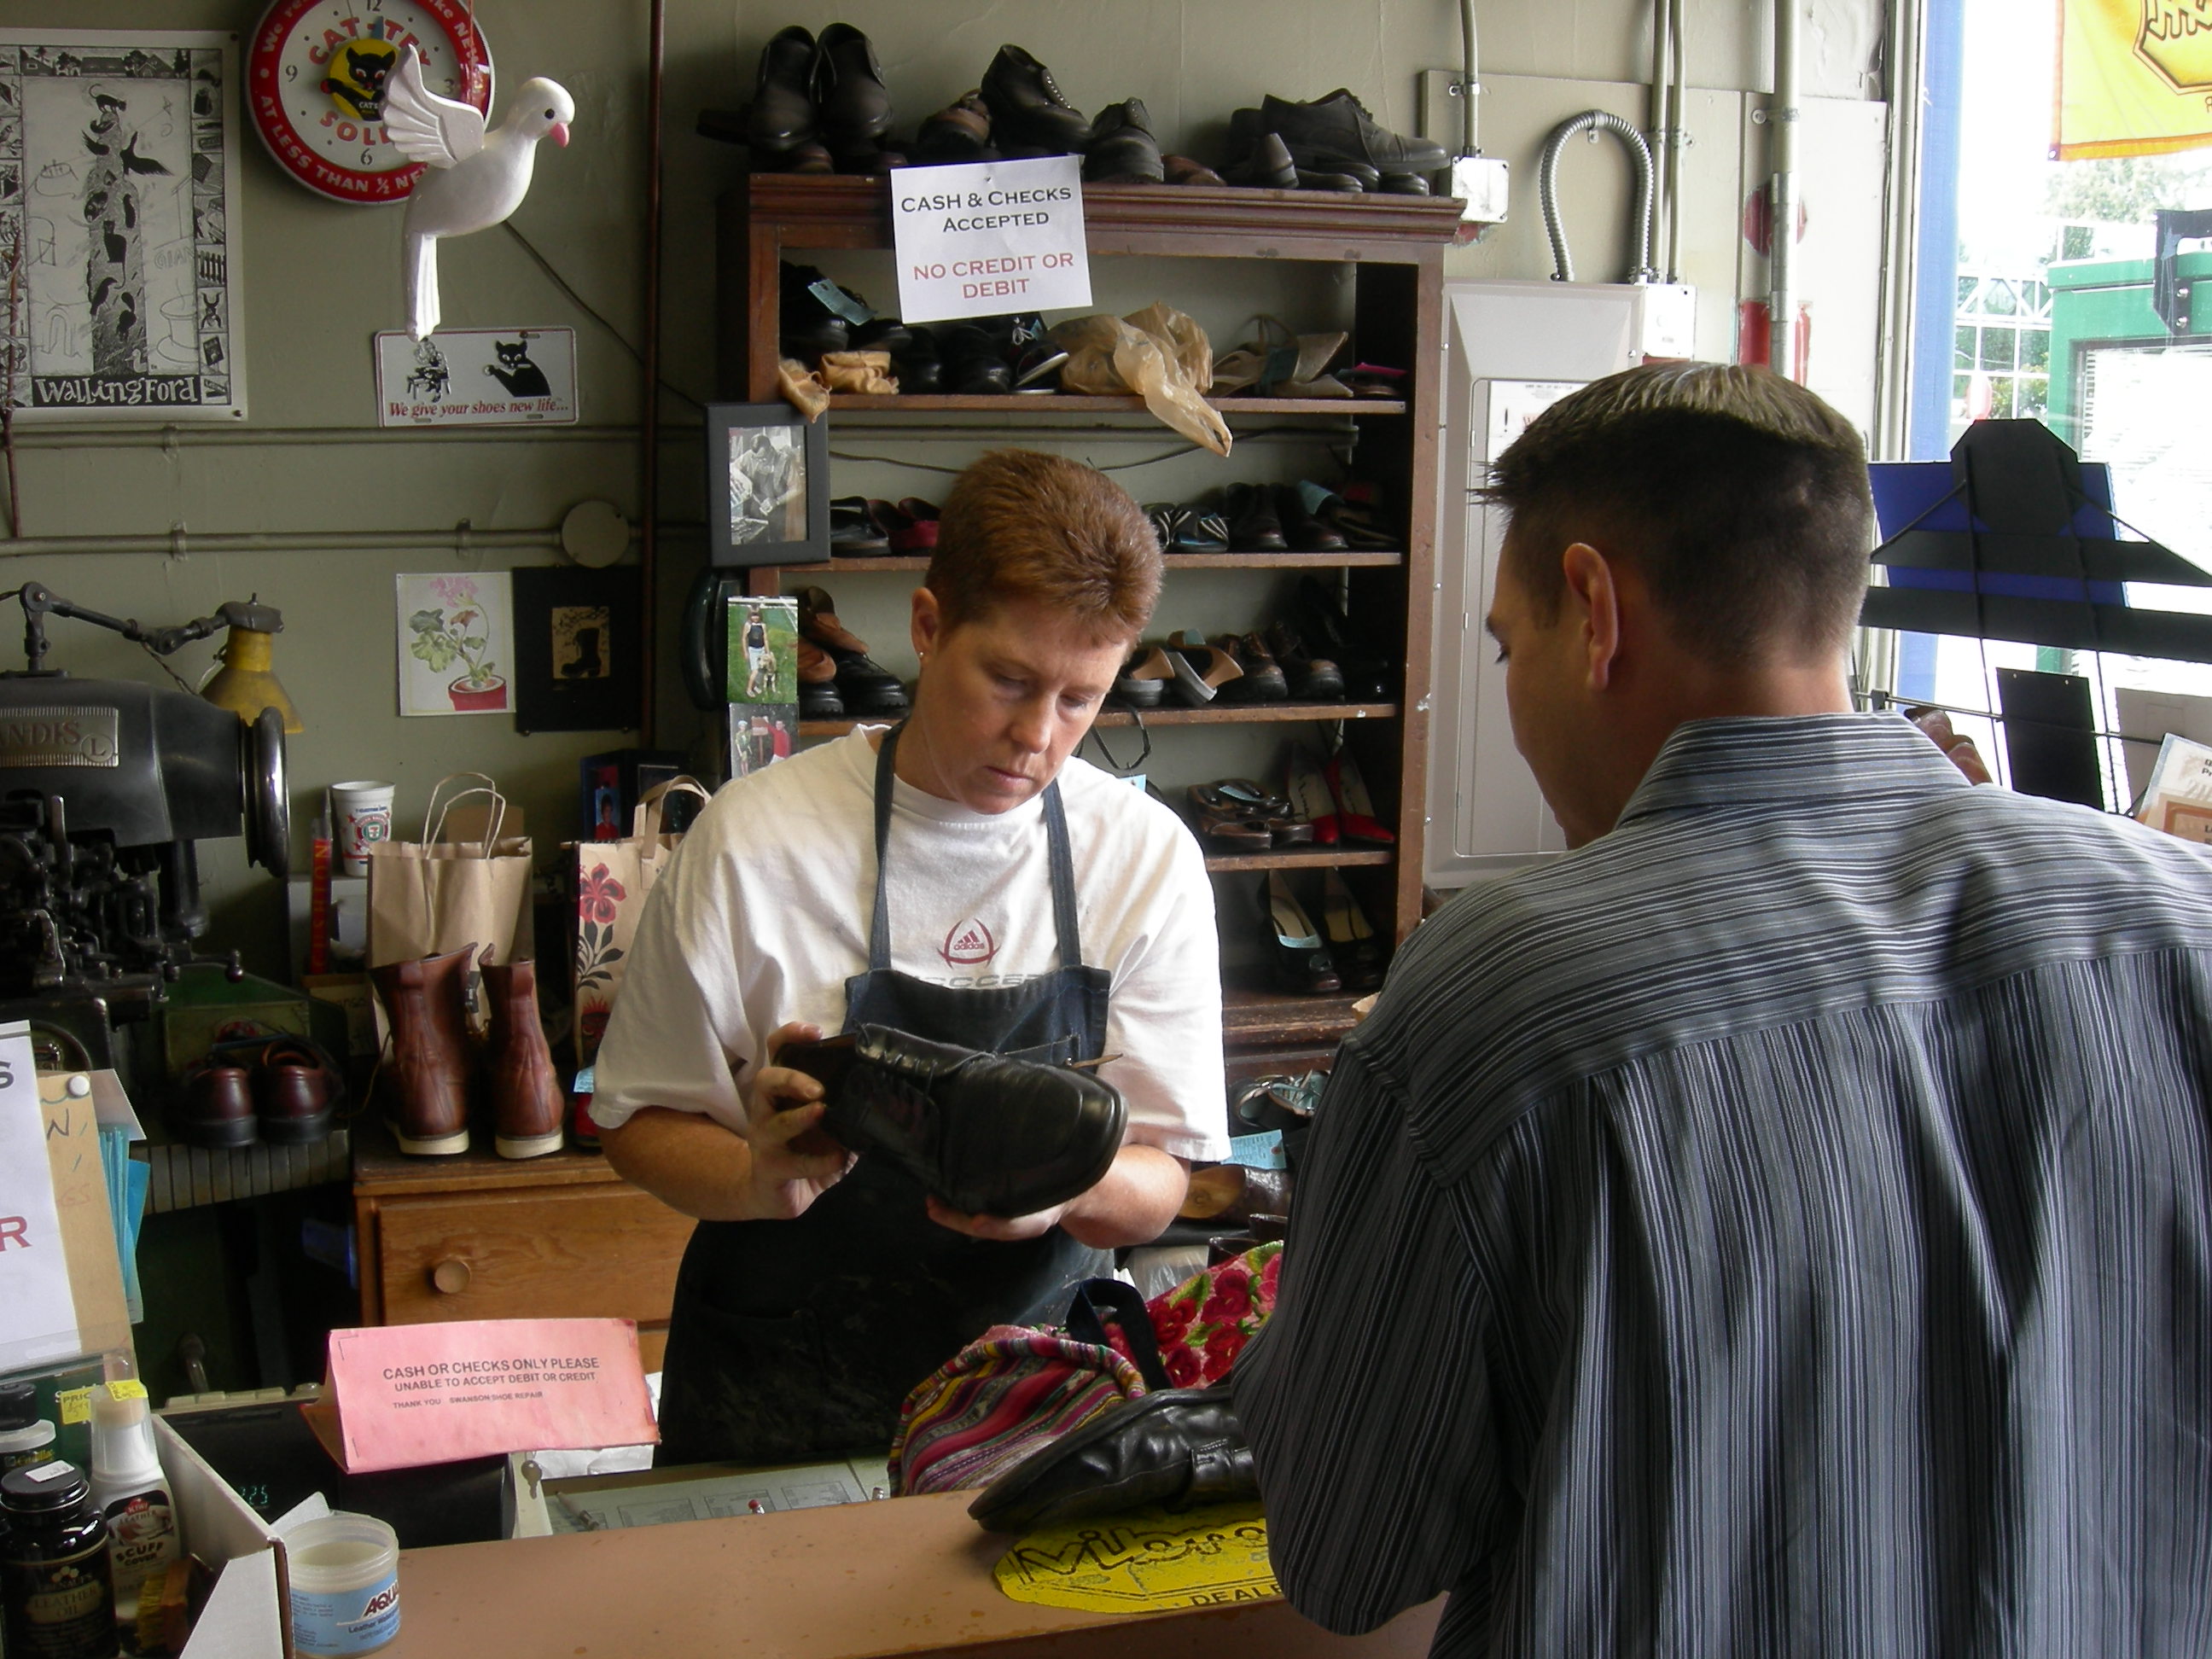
1511, 350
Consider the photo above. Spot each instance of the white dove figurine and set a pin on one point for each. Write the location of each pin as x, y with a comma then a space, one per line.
477, 178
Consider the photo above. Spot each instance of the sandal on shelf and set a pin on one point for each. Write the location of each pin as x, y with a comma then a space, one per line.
1300, 961
1355, 808
1144, 680
1243, 800
1359, 955
1201, 669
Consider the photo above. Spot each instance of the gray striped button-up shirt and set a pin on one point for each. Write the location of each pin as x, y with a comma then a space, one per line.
1779, 1227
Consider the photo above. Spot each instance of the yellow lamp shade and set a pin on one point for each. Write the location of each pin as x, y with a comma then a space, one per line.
245, 684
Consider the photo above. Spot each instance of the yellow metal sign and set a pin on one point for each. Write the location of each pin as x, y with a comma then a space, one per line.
1148, 1561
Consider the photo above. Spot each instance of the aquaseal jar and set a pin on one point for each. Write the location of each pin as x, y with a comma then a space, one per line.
55, 1580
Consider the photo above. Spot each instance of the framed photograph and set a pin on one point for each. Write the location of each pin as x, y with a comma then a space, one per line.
576, 638
118, 209
456, 643
767, 485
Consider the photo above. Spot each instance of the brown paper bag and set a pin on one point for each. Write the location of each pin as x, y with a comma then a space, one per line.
431, 896
612, 879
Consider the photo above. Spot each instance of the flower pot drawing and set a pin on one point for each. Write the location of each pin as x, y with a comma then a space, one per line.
476, 699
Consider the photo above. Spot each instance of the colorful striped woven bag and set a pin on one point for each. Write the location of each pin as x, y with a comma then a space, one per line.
1015, 1387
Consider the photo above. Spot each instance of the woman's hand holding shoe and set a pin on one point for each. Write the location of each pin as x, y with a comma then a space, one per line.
792, 1161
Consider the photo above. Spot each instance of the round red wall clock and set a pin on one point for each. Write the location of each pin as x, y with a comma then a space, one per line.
315, 86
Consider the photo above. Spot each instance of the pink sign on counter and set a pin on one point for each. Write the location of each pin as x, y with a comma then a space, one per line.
401, 1395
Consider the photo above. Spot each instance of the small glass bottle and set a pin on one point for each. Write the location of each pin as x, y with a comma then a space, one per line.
56, 1584
25, 1437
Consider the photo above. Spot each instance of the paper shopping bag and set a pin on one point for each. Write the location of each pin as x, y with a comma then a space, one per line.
431, 896
612, 879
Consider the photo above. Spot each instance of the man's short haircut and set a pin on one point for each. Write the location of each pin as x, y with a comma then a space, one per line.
1021, 525
1741, 497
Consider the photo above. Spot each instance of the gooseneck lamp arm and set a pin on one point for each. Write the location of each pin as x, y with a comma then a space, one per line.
246, 657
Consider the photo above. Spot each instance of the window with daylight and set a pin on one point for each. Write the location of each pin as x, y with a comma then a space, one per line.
2042, 274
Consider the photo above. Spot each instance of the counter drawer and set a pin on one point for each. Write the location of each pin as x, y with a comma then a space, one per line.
571, 1253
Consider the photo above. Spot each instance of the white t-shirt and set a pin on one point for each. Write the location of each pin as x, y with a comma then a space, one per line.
763, 915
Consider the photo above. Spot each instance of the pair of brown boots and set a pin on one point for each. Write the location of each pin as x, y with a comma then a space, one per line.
430, 1060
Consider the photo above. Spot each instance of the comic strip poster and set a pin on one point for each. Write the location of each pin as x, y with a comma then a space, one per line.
119, 194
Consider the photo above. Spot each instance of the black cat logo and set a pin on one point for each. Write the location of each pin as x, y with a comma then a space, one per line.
514, 371
367, 68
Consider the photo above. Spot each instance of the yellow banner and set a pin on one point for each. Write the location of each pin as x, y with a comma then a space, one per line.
1146, 1562
2135, 77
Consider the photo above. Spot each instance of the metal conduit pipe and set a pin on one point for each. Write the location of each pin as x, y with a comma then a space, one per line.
179, 542
1547, 194
1678, 139
228, 437
1783, 199
1662, 121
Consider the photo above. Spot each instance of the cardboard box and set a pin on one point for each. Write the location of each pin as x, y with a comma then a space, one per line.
247, 1616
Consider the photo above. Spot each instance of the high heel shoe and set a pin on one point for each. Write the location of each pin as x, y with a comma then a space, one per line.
1359, 957
1355, 808
1300, 961
1309, 797
1201, 669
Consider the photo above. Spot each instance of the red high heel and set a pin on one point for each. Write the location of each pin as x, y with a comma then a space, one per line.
1355, 808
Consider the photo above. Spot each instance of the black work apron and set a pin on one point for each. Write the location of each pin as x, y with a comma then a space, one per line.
795, 1339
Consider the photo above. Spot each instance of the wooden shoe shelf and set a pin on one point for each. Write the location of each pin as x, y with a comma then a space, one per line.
1394, 248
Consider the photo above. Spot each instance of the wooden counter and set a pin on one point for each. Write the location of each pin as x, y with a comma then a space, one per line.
911, 1575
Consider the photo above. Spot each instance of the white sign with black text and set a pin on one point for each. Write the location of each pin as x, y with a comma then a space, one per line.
37, 1310
986, 237
477, 377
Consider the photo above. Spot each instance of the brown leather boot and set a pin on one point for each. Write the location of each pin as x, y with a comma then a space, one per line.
528, 1101
426, 1073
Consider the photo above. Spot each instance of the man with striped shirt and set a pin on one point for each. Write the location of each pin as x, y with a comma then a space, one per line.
1780, 1226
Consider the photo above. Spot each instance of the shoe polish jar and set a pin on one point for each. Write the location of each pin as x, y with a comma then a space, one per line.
55, 1581
344, 1570
26, 1438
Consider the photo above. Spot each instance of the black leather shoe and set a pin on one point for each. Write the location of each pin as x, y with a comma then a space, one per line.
1337, 128
987, 1135
1254, 525
1174, 1449
783, 116
974, 362
1269, 166
1122, 148
1027, 112
853, 106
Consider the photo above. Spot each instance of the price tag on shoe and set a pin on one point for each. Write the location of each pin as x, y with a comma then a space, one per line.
985, 238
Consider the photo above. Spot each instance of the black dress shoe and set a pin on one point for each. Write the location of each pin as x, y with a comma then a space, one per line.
853, 107
783, 116
1175, 1450
1300, 961
1304, 532
918, 366
1268, 167
1027, 112
1262, 679
975, 362
1311, 678
1254, 526
853, 531
987, 1135
1122, 149
960, 132
1369, 671
1328, 131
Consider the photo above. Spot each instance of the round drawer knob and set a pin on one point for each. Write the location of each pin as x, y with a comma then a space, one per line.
451, 1276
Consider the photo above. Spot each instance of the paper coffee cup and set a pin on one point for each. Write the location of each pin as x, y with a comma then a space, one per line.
360, 813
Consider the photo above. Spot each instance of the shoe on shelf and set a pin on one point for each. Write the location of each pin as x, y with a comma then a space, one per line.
883, 334
1368, 671
1201, 531
1407, 184
296, 1086
960, 132
1355, 521
217, 1110
527, 1101
1037, 369
1261, 678
1228, 824
1268, 167
813, 156
1312, 179
1122, 150
1301, 529
1165, 518
987, 1135
817, 684
1326, 133
974, 363
783, 115
1309, 797
918, 532
1361, 959
1027, 110
1355, 809
853, 533
1173, 1448
1144, 680
1310, 678
1243, 802
853, 107
1301, 962
1182, 170
865, 686
1254, 526
1201, 669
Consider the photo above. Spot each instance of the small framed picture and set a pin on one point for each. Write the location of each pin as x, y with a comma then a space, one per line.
767, 485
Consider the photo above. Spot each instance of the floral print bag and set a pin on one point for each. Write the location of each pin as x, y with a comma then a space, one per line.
612, 879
